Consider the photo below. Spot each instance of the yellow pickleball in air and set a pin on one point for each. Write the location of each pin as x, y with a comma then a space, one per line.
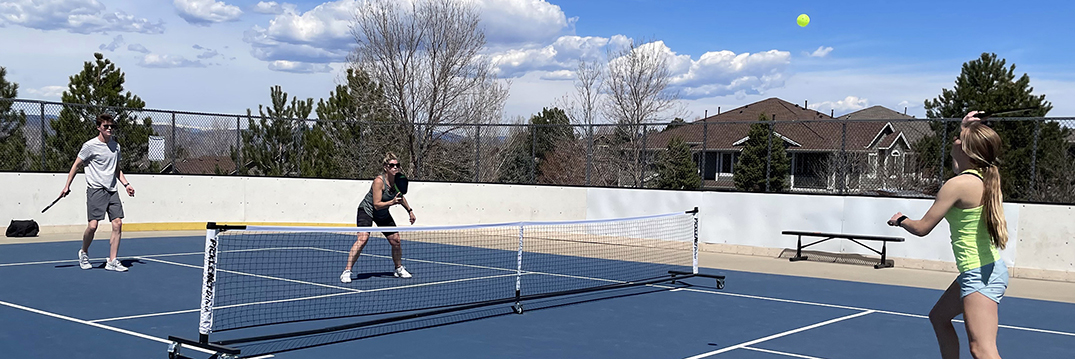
803, 20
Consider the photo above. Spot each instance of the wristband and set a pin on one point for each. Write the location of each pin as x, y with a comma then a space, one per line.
126, 184
409, 210
899, 221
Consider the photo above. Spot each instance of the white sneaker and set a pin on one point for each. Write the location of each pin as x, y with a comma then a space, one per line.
402, 272
346, 276
83, 260
115, 265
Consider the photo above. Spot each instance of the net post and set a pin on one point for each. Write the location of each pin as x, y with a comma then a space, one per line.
518, 308
205, 323
694, 250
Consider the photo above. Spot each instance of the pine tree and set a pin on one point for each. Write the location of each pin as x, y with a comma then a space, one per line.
99, 86
349, 138
13, 154
988, 84
750, 172
676, 169
548, 129
272, 145
676, 122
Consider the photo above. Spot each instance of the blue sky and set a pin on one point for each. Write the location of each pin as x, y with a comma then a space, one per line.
223, 56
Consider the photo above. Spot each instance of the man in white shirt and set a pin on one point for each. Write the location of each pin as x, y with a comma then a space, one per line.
101, 156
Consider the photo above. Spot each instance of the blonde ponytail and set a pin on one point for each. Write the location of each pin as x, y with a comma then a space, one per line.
982, 145
993, 200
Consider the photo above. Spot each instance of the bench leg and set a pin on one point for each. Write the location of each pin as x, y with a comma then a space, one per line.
884, 262
798, 251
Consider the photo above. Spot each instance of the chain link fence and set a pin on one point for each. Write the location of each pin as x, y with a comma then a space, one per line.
898, 157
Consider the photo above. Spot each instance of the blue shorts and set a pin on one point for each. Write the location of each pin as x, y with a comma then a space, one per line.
991, 280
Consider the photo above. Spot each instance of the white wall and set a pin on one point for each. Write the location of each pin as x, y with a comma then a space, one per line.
171, 199
757, 219
1040, 235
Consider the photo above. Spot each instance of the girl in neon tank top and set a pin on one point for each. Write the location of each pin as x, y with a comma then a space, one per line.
971, 202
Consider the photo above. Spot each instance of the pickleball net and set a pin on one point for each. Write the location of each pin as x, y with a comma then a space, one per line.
269, 276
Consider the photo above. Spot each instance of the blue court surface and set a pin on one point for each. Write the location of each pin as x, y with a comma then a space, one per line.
51, 309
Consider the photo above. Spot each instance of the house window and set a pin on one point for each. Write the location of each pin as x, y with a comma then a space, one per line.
872, 160
909, 163
897, 163
726, 162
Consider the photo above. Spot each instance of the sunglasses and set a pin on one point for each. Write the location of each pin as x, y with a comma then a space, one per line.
393, 165
108, 126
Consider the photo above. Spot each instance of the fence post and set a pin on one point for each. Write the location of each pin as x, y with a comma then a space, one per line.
418, 152
361, 166
944, 148
1034, 161
705, 140
769, 155
477, 153
239, 146
589, 153
533, 153
173, 144
642, 160
843, 158
43, 152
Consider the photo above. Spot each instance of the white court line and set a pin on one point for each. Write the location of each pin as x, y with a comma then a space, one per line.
778, 335
143, 256
257, 275
351, 291
148, 257
145, 315
1045, 331
513, 270
101, 326
781, 353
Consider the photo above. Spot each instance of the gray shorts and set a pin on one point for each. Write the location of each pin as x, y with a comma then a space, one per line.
99, 201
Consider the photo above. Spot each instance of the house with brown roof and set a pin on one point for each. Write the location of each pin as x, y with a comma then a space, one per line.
876, 143
202, 165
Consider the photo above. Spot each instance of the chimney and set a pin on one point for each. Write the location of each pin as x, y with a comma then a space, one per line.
805, 103
832, 113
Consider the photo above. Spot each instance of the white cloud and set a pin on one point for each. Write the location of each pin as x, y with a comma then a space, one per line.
137, 48
522, 21
848, 104
115, 44
76, 16
168, 61
320, 35
298, 67
821, 51
562, 54
558, 75
272, 8
208, 54
716, 73
48, 91
206, 12
323, 34
720, 73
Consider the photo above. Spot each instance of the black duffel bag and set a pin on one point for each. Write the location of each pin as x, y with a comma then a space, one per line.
22, 228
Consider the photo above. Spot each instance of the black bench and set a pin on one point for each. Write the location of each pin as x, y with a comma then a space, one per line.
852, 237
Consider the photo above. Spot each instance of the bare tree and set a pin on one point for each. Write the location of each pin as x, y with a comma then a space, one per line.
637, 88
427, 55
637, 85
